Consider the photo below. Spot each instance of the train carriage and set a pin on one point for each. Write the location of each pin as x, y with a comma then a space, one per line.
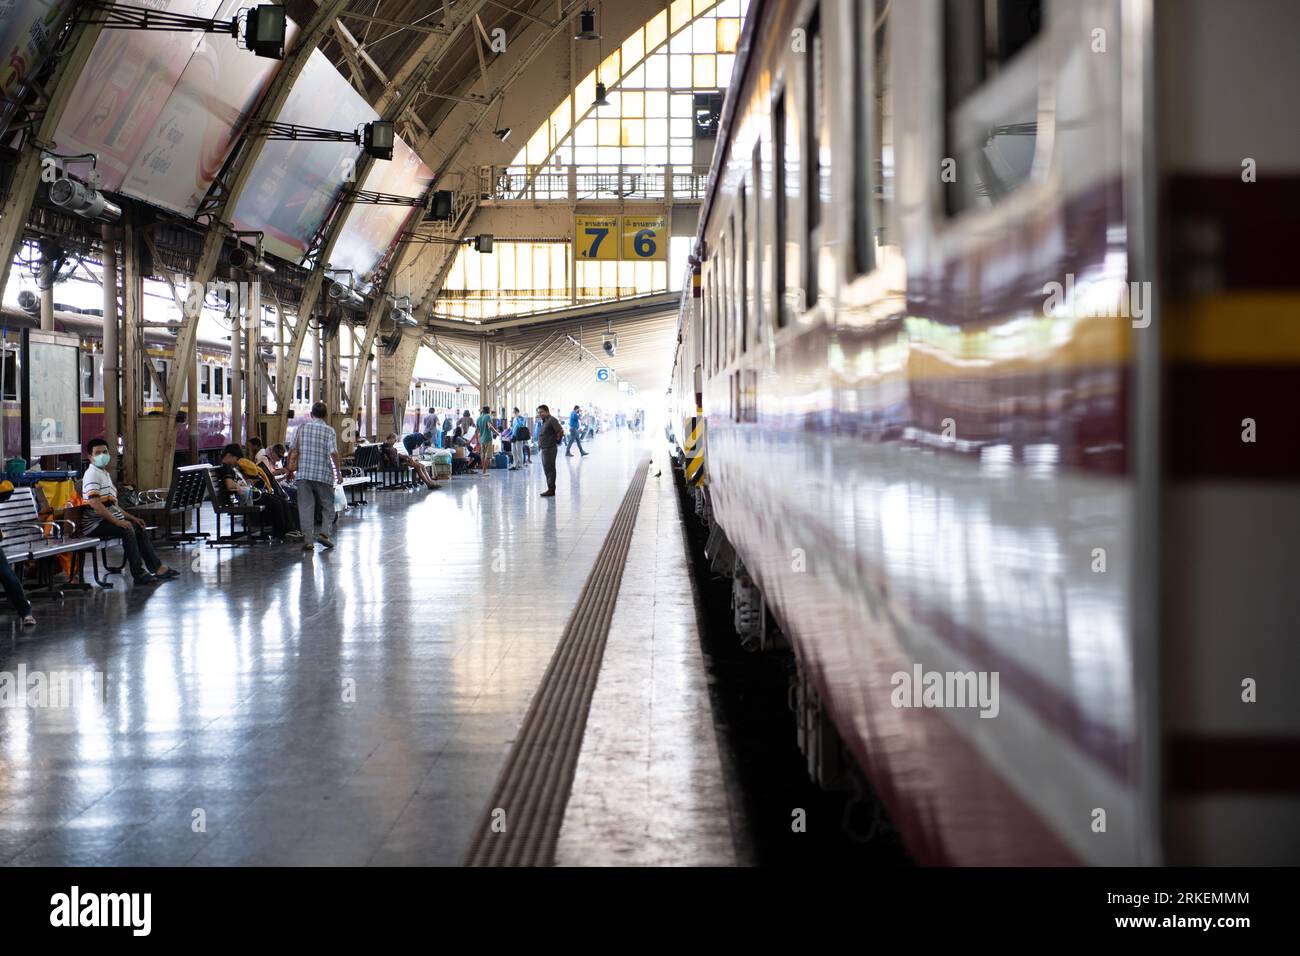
965, 268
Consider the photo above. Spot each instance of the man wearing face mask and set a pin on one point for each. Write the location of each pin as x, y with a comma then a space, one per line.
107, 520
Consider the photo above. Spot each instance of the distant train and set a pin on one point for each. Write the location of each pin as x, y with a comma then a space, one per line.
1009, 511
215, 384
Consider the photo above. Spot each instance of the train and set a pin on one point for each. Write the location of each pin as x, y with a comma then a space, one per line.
992, 312
215, 383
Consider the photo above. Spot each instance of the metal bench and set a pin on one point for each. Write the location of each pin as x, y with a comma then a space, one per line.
222, 505
163, 506
26, 537
355, 485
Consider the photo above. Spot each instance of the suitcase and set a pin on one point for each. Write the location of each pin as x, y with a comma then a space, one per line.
500, 460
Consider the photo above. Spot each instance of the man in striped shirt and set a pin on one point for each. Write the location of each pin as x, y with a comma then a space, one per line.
314, 461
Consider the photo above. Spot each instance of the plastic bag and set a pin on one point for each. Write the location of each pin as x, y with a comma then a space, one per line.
340, 499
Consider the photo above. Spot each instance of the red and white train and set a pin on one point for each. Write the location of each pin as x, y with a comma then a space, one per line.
215, 383
997, 345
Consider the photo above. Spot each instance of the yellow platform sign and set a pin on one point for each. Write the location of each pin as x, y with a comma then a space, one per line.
644, 238
595, 237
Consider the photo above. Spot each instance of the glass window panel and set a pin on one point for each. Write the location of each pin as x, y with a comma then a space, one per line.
706, 72
585, 155
610, 70
728, 35
656, 104
609, 132
615, 107
524, 266
679, 71
633, 133
682, 43
635, 80
633, 105
679, 14
506, 276
729, 8
726, 63
681, 128
586, 133
656, 31
585, 92
657, 155
634, 156
656, 132
681, 155
609, 275
703, 6
633, 48
656, 72
609, 155
704, 36
683, 105
560, 119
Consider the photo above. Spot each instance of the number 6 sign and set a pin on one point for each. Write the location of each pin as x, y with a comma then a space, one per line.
645, 237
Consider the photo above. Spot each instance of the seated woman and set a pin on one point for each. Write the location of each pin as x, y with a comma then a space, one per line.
236, 481
395, 458
462, 450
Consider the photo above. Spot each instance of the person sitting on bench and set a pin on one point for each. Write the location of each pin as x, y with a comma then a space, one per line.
13, 586
239, 476
395, 459
462, 450
107, 520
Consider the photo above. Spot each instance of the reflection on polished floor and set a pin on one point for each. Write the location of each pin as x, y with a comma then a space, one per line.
270, 708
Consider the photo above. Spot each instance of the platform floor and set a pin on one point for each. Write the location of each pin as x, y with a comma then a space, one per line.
355, 707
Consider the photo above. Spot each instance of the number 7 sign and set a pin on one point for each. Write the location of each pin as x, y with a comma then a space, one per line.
595, 237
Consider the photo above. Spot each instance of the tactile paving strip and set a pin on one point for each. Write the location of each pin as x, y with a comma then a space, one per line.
521, 822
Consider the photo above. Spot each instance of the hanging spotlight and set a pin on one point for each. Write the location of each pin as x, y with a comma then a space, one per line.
587, 26
439, 206
83, 200
249, 261
502, 134
377, 139
265, 30
601, 99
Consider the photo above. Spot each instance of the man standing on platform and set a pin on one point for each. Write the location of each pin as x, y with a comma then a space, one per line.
430, 428
314, 460
549, 433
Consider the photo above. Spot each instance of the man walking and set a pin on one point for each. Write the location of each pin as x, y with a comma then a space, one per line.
486, 431
549, 433
575, 433
314, 460
430, 425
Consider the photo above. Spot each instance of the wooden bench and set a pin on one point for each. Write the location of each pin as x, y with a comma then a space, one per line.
26, 537
163, 506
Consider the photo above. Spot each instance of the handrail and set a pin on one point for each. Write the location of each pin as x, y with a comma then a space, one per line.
600, 182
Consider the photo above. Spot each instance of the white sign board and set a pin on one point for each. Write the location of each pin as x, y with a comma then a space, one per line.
602, 375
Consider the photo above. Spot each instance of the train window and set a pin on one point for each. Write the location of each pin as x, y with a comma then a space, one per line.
205, 381
9, 375
753, 248
874, 158
87, 375
785, 171
742, 277
991, 99
230, 382
817, 168
218, 381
